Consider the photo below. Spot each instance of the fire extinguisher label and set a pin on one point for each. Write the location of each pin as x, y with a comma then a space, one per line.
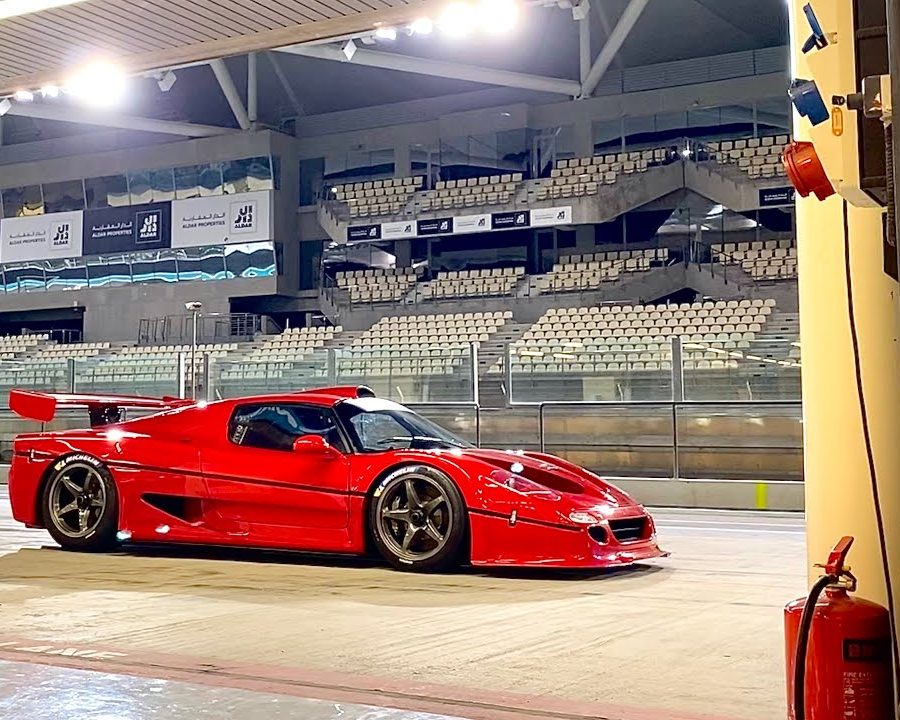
866, 650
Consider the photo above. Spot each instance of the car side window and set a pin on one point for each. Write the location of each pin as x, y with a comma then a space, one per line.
276, 427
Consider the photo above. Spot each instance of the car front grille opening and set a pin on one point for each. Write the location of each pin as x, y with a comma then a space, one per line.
629, 529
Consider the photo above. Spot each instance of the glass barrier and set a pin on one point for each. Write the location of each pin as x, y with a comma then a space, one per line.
142, 186
34, 374
438, 376
723, 441
145, 373
640, 369
463, 421
443, 374
219, 262
614, 371
617, 439
753, 441
275, 374
712, 373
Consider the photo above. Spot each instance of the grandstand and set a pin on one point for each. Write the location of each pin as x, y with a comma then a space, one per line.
758, 157
445, 250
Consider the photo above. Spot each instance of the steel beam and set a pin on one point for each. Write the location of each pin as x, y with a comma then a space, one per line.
439, 68
226, 82
252, 89
285, 84
67, 113
584, 47
613, 44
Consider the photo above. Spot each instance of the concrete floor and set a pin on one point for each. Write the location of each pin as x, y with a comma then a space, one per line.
697, 635
35, 692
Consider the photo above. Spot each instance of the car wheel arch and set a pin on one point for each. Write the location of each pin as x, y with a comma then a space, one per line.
51, 469
444, 468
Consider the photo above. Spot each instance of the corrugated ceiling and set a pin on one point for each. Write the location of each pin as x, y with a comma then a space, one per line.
42, 47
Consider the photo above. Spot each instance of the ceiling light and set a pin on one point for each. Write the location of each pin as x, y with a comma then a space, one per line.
349, 50
24, 95
50, 91
422, 26
14, 8
5, 106
166, 81
457, 19
386, 33
99, 84
497, 16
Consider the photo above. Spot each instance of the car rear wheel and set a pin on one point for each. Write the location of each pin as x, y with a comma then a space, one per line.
417, 519
80, 504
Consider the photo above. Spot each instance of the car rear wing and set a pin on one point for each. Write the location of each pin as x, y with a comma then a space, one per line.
103, 409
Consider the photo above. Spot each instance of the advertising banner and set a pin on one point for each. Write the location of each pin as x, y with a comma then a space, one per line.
363, 232
437, 226
398, 230
222, 219
776, 197
471, 224
41, 237
462, 224
544, 217
127, 229
510, 220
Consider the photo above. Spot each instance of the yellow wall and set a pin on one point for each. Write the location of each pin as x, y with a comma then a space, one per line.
838, 489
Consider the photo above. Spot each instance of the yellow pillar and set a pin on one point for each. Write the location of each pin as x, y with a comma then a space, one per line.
838, 485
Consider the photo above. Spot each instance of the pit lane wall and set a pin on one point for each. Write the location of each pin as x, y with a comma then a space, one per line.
711, 494
735, 459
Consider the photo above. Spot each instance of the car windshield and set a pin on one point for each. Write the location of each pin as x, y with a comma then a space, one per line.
376, 425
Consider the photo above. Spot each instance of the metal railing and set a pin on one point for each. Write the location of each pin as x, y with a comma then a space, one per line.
679, 422
211, 327
678, 433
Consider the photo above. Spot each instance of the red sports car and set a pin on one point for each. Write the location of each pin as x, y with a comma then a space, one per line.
335, 470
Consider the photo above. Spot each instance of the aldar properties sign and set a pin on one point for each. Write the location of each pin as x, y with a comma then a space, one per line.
41, 237
127, 229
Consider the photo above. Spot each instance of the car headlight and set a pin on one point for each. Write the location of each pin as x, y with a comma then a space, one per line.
522, 485
583, 518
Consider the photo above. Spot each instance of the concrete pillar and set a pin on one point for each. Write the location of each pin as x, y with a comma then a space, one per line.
838, 479
402, 160
585, 238
584, 137
403, 253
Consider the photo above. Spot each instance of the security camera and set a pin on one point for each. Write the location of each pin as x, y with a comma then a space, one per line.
193, 306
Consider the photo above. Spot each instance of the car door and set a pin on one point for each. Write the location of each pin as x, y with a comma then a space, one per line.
262, 487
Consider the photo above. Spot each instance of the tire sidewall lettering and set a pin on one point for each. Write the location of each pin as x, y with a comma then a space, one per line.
62, 464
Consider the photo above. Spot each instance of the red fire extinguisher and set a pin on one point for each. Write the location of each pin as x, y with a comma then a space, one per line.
838, 650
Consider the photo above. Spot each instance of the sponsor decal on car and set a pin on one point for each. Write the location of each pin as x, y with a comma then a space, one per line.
77, 457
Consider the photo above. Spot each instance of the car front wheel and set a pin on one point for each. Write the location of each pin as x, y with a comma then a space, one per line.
417, 519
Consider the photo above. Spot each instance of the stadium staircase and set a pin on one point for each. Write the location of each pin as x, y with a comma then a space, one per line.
492, 385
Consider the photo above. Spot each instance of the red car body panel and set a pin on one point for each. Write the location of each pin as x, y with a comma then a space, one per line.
524, 509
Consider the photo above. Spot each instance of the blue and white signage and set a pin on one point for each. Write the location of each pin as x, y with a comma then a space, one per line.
41, 237
127, 229
222, 219
462, 224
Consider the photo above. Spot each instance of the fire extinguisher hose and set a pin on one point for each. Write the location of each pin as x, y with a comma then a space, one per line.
803, 643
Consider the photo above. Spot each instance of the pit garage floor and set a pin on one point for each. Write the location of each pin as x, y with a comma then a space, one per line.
192, 633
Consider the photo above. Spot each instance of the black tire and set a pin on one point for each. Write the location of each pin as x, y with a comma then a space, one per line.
84, 484
437, 511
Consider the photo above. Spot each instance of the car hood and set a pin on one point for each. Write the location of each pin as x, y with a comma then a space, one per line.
581, 487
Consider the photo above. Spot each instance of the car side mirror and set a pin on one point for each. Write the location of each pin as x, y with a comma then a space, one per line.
312, 445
